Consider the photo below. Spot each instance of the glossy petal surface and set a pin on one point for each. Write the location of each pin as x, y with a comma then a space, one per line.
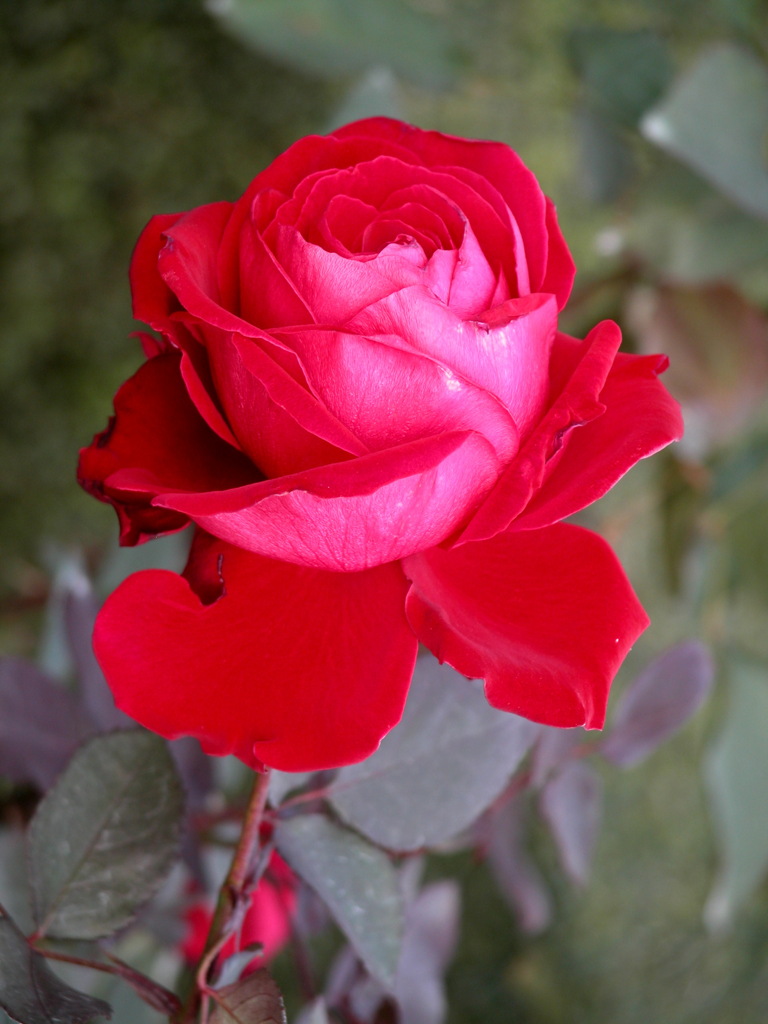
544, 616
357, 514
293, 667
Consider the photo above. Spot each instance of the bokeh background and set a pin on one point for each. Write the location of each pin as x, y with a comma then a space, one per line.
647, 122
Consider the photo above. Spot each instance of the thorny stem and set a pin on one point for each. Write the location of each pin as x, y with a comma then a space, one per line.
241, 879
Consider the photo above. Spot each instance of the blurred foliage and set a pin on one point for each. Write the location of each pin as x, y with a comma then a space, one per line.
647, 122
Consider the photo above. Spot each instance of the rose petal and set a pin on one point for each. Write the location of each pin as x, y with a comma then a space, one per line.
335, 287
544, 616
387, 396
276, 419
267, 296
189, 265
153, 300
561, 270
357, 514
504, 350
157, 431
500, 165
579, 370
640, 418
294, 667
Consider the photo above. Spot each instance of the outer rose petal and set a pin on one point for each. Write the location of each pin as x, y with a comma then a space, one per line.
296, 668
581, 379
157, 430
640, 418
353, 515
545, 617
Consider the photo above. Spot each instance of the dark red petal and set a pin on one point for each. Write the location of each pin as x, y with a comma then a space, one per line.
357, 514
293, 667
267, 296
282, 426
157, 442
640, 418
153, 301
545, 617
578, 371
189, 263
560, 270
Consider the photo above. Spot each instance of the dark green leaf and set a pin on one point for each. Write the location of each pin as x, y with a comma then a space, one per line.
715, 119
736, 771
356, 881
31, 993
254, 1000
105, 836
332, 37
437, 771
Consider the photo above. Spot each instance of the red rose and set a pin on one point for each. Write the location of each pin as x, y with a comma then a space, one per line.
360, 398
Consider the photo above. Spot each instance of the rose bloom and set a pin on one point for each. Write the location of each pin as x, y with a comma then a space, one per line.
359, 396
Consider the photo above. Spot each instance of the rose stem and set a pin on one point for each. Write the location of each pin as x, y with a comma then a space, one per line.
240, 878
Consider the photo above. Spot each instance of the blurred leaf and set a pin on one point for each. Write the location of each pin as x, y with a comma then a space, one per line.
283, 783
254, 1000
605, 157
429, 943
571, 804
736, 771
168, 552
519, 880
376, 94
105, 836
31, 993
624, 72
356, 881
717, 343
315, 1013
41, 724
659, 702
80, 607
14, 886
553, 747
715, 119
437, 771
333, 37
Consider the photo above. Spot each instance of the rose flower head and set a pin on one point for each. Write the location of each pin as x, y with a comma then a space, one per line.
359, 397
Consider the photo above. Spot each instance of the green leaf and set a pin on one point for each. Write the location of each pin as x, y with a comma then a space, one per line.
356, 881
623, 72
736, 770
715, 119
254, 1000
31, 993
105, 836
438, 770
333, 37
